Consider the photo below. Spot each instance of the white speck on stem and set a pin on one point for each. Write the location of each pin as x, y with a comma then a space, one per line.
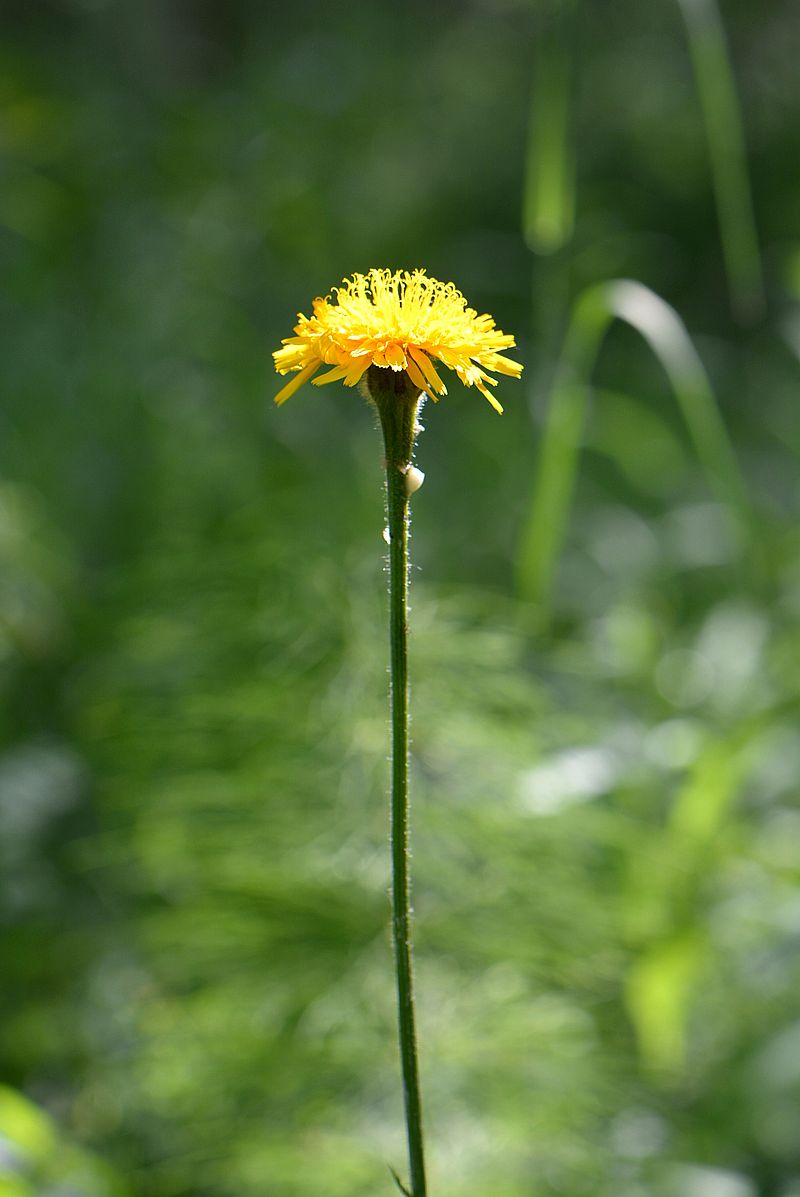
414, 479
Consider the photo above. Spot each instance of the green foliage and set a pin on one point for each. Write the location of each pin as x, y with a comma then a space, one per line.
554, 474
34, 1157
193, 720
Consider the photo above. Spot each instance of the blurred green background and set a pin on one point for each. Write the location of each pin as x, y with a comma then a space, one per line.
196, 990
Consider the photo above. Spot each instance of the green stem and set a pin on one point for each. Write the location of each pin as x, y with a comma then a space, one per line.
397, 407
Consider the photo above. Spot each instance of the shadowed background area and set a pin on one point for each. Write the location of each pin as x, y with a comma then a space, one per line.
196, 993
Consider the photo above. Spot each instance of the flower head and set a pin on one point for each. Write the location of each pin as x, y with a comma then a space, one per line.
397, 321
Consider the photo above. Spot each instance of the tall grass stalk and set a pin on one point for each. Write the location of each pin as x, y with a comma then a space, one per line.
659, 324
726, 146
549, 193
548, 207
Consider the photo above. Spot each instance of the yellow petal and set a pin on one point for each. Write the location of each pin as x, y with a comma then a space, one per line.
417, 377
296, 382
504, 365
332, 376
490, 397
428, 369
395, 357
357, 369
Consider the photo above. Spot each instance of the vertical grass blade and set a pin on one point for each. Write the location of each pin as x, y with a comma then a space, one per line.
554, 475
665, 333
726, 147
548, 207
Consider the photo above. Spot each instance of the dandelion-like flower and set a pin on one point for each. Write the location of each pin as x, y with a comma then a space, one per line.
399, 321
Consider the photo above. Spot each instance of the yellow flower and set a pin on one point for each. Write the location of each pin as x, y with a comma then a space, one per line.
397, 321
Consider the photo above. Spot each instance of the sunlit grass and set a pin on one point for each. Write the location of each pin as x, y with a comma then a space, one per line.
554, 473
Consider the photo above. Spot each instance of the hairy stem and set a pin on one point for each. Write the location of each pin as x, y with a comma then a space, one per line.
397, 406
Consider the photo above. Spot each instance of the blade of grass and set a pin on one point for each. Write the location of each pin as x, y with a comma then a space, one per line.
544, 530
659, 324
726, 146
548, 207
666, 334
548, 201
